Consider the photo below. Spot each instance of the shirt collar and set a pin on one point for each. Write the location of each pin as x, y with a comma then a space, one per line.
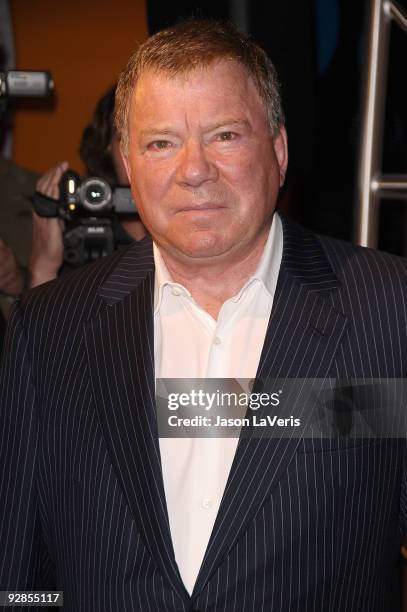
163, 279
269, 265
266, 273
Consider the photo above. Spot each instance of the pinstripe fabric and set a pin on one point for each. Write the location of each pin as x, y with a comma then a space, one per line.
303, 525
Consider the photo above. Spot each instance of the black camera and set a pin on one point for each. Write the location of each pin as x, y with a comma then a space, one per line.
91, 209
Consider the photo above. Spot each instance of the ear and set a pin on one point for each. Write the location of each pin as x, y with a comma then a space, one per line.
280, 145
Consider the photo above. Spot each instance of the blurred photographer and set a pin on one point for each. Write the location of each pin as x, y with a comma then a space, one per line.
99, 149
16, 185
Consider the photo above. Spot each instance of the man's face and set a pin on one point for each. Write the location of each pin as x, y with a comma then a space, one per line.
204, 168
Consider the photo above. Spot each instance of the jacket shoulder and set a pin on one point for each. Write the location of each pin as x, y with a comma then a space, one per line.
362, 264
81, 292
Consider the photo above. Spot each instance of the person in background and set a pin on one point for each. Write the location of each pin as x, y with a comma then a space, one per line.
16, 185
99, 150
11, 271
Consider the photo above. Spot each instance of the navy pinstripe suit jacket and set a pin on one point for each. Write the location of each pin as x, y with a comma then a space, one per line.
303, 525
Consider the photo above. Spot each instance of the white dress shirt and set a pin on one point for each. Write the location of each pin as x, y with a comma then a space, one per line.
189, 343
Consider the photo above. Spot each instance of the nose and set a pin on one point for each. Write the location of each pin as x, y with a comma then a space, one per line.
195, 167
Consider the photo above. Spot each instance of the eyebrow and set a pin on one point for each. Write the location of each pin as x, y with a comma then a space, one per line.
224, 122
157, 131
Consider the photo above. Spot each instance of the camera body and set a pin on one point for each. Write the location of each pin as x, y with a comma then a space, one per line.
92, 197
24, 84
90, 208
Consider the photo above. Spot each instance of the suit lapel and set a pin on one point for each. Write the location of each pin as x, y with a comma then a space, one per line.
120, 345
301, 340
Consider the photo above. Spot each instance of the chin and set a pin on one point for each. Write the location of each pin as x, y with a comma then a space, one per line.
201, 247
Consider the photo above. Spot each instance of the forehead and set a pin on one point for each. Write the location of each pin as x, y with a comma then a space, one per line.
222, 86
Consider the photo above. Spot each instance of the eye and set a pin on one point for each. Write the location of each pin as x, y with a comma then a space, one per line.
226, 136
159, 145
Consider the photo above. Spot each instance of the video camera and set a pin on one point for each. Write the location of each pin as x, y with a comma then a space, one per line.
24, 84
89, 207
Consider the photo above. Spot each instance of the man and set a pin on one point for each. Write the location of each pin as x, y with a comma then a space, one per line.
94, 503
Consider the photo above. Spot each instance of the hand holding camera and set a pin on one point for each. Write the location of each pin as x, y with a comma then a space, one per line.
47, 250
74, 220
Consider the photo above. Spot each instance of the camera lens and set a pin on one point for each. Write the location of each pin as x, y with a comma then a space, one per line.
95, 193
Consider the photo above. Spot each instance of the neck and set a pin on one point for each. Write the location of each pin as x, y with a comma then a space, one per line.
212, 283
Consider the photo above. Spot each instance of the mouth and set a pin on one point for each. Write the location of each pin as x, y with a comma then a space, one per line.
205, 206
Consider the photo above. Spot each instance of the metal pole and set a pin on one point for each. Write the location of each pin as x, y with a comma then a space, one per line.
391, 185
396, 13
372, 132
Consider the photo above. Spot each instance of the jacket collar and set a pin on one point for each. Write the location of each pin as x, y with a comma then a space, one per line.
132, 269
303, 258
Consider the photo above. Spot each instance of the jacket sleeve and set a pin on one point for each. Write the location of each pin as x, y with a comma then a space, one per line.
24, 560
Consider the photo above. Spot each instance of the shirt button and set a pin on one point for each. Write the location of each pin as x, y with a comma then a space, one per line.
207, 503
217, 340
176, 291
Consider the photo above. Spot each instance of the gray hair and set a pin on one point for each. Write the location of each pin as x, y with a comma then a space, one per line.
193, 44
